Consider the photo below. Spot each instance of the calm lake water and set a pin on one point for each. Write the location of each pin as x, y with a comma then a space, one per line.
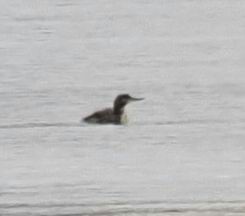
183, 151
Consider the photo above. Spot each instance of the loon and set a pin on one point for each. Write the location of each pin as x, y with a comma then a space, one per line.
115, 115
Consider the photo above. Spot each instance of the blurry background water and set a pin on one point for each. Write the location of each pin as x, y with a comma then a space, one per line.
182, 152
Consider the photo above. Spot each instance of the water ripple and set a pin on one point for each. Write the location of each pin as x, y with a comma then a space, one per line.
40, 125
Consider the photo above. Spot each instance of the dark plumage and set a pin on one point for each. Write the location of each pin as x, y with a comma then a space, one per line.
115, 115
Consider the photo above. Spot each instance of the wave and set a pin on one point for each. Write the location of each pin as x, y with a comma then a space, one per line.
41, 125
132, 208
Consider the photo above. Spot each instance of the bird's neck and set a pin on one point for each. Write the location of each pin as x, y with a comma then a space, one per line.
118, 110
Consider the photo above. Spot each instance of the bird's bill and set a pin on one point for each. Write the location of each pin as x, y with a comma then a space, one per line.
136, 99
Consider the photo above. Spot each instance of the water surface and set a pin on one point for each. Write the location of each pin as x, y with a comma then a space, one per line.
182, 152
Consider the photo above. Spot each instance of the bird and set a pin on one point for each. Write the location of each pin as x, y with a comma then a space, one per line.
114, 115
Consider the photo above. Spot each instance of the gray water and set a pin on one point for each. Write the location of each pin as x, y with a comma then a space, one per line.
183, 150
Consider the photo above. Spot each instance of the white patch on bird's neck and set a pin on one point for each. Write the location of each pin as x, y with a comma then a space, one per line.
124, 118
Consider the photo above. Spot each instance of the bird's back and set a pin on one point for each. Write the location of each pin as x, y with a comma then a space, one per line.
104, 116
